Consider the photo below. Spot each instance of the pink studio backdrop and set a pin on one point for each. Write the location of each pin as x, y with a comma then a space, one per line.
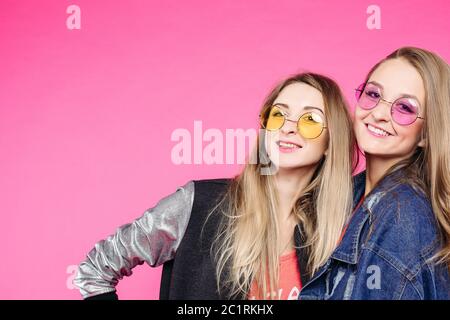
86, 115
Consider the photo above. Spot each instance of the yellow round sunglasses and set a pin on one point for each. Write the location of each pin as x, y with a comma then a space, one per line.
310, 125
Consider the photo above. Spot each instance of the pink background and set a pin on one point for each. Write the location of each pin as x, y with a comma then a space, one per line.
86, 115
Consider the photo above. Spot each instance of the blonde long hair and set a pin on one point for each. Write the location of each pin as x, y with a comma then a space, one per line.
245, 249
428, 169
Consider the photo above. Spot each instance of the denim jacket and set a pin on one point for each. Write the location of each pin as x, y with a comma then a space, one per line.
385, 251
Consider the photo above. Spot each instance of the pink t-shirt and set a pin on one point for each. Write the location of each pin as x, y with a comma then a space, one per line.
289, 283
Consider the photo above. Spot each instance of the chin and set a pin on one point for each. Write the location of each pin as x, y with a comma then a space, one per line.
380, 152
373, 147
288, 166
285, 165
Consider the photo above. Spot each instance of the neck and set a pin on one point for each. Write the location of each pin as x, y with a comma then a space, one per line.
376, 167
289, 182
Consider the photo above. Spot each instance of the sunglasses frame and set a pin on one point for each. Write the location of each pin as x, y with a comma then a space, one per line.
361, 88
285, 118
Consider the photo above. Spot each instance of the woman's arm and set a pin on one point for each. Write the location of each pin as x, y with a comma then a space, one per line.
153, 238
396, 254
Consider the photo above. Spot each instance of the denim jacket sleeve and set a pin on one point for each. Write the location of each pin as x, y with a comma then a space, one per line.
153, 238
396, 251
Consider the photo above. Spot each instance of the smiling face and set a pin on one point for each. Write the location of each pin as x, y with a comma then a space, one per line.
377, 130
286, 147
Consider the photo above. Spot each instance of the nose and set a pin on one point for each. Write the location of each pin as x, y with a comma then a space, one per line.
289, 127
382, 112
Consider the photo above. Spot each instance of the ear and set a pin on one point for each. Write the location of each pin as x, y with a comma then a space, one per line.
325, 153
422, 139
422, 143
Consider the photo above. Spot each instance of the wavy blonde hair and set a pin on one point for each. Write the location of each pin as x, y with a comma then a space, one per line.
428, 169
245, 249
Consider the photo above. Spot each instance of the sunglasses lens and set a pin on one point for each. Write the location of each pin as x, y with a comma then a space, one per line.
359, 91
370, 96
274, 120
310, 125
404, 111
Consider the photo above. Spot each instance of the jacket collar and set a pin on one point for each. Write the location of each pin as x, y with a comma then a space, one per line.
347, 250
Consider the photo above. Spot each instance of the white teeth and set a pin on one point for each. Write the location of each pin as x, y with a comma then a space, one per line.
287, 145
377, 131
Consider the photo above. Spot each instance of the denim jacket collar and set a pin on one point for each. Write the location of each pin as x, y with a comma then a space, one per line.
347, 250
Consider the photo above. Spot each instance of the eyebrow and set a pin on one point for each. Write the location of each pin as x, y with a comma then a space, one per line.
403, 95
305, 107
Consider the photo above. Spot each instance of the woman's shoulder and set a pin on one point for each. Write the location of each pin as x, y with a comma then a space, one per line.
214, 181
402, 220
209, 187
404, 197
207, 193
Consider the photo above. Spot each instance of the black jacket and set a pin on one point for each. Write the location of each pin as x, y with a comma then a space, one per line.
191, 274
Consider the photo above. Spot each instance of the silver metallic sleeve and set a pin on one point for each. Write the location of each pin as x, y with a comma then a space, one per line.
153, 238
